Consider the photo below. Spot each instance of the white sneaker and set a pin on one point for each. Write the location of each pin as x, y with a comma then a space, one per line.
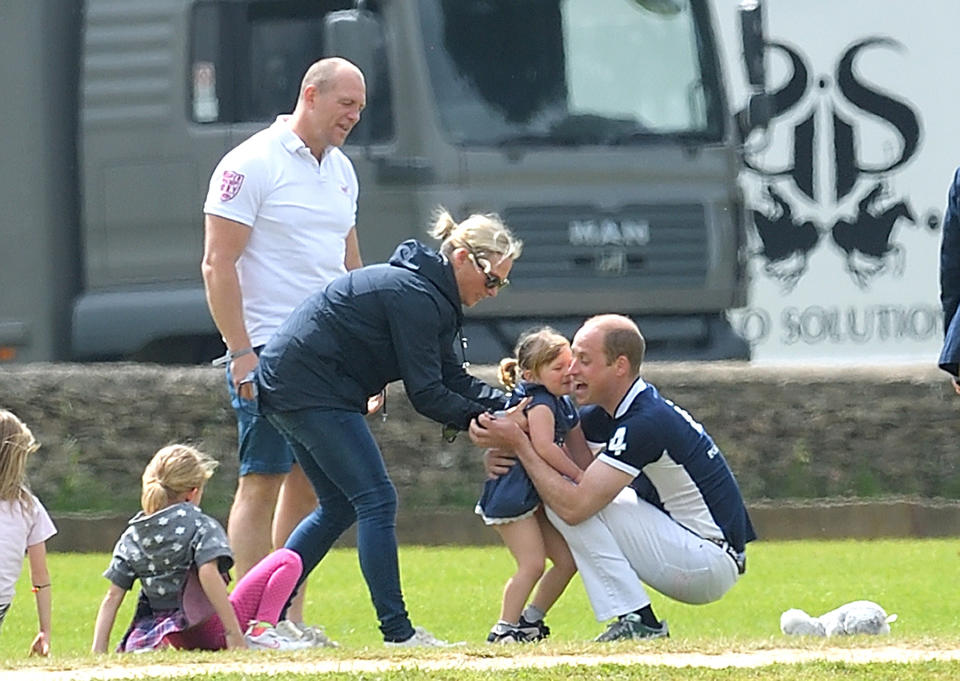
270, 639
422, 639
315, 636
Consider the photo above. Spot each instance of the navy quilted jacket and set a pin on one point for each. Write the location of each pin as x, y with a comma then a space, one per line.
369, 327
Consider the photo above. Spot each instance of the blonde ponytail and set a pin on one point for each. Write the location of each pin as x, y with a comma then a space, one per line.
443, 224
484, 234
173, 471
509, 372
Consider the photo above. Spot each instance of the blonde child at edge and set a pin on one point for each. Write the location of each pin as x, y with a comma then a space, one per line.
181, 557
25, 526
510, 503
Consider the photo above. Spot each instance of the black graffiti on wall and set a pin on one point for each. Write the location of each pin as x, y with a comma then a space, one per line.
866, 242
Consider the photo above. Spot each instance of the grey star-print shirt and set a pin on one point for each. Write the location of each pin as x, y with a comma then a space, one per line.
159, 549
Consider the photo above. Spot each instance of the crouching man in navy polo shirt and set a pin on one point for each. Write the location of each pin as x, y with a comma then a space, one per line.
658, 506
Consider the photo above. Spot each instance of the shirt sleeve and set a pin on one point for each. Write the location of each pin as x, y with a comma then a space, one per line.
416, 330
120, 572
596, 425
43, 527
631, 446
236, 188
541, 397
456, 378
211, 544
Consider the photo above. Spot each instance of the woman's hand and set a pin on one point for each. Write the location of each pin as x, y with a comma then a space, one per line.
375, 402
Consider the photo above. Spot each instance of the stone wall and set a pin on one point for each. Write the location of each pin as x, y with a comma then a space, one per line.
788, 433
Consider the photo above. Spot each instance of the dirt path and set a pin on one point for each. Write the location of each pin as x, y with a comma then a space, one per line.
321, 666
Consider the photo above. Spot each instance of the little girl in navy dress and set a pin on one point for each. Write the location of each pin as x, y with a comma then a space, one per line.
181, 557
511, 505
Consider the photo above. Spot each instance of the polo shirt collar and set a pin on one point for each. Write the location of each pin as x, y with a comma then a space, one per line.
289, 139
638, 387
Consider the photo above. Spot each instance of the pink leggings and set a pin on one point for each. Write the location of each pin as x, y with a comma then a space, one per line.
258, 597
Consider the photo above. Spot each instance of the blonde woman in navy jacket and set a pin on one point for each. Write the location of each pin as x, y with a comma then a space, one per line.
381, 323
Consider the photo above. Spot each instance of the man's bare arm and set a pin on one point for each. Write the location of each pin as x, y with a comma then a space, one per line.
351, 255
577, 447
224, 243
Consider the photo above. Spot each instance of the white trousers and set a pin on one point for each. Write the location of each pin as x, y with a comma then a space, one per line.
630, 543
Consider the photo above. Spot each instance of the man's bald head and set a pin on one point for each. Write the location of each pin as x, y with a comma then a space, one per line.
621, 336
324, 73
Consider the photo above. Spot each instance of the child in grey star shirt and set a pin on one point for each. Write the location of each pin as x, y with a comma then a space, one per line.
181, 557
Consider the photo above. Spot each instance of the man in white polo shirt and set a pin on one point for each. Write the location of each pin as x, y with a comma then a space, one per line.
279, 224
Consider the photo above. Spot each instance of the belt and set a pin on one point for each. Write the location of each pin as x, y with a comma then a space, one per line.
738, 557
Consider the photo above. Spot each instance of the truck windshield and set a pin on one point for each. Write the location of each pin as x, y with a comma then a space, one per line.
572, 72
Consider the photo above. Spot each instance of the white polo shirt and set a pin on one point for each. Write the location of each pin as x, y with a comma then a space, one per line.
299, 211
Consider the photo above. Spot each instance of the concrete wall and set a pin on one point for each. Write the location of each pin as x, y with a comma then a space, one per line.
886, 436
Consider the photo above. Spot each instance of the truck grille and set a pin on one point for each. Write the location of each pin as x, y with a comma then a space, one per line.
653, 245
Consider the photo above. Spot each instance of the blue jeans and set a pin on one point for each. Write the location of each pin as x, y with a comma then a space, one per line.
341, 459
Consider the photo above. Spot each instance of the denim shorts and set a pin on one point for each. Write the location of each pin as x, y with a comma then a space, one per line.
261, 448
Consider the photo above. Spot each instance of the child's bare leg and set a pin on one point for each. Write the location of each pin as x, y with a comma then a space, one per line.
560, 573
523, 539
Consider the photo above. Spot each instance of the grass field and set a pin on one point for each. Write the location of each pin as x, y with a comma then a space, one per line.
455, 592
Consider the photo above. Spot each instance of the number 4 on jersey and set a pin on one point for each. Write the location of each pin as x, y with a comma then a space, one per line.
618, 442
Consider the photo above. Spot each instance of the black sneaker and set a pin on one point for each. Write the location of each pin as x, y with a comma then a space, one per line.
506, 635
535, 631
631, 626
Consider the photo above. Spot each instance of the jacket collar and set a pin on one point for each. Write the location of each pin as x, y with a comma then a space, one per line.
433, 266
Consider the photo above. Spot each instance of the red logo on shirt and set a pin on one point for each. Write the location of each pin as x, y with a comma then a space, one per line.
230, 184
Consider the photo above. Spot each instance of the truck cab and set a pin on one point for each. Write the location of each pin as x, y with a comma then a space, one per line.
598, 129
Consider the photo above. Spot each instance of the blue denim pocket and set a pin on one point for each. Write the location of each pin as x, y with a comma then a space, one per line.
242, 405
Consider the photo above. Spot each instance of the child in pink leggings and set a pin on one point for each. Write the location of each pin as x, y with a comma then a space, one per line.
181, 557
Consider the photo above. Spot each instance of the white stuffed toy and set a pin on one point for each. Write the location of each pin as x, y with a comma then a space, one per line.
858, 617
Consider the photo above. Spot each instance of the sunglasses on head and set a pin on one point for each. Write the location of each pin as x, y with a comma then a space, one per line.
492, 281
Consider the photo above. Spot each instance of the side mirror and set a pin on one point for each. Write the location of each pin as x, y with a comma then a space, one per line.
753, 38
665, 7
356, 35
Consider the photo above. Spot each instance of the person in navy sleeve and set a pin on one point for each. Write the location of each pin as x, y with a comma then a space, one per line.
950, 283
658, 506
